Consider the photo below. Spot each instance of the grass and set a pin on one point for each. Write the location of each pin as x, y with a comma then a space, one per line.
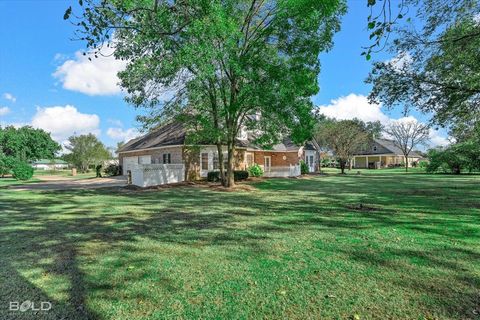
64, 173
378, 245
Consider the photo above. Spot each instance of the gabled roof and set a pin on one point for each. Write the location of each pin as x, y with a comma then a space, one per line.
385, 146
174, 133
170, 134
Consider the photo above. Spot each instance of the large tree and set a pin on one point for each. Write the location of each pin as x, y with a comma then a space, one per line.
219, 62
407, 135
85, 151
437, 68
344, 137
27, 143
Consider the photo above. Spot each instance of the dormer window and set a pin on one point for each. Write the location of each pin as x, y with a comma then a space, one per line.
374, 148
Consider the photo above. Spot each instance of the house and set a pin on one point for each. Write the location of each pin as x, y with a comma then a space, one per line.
382, 153
167, 145
50, 164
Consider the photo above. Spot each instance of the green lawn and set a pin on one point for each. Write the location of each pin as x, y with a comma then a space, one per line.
377, 245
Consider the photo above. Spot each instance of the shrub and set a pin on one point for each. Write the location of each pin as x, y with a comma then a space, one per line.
214, 176
22, 171
112, 170
303, 167
240, 175
255, 171
6, 164
423, 164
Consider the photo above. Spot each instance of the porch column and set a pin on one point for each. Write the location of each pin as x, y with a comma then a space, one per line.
366, 162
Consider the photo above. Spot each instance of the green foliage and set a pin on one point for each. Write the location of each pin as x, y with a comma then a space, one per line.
238, 175
455, 158
85, 151
344, 137
22, 171
423, 164
303, 167
223, 60
27, 143
112, 170
437, 70
6, 164
255, 170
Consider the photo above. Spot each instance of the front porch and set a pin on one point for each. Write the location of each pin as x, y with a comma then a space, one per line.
375, 161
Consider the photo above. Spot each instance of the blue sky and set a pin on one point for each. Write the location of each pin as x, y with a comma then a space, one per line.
45, 82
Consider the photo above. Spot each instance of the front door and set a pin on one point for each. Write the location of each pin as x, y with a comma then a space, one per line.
267, 162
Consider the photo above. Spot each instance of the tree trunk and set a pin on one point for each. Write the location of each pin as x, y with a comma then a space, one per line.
342, 166
220, 165
230, 165
406, 163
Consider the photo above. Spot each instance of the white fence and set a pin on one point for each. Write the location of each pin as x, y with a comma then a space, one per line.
279, 172
146, 175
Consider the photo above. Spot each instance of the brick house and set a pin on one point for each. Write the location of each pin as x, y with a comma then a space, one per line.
166, 145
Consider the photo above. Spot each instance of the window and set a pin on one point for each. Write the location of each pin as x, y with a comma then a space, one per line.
216, 165
167, 158
249, 160
374, 148
216, 162
204, 161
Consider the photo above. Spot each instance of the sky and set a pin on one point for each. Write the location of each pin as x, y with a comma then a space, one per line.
47, 83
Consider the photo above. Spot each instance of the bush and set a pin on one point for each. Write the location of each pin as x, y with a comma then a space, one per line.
423, 164
303, 167
22, 171
112, 170
240, 175
255, 171
214, 176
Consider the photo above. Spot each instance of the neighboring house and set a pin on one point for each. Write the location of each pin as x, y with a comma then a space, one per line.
50, 164
382, 153
166, 145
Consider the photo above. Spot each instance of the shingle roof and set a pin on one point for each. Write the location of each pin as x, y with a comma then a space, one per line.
170, 134
389, 146
174, 133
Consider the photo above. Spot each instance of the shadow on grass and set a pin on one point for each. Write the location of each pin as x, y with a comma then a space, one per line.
48, 230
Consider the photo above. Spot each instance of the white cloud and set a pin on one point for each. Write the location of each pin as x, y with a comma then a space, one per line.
4, 111
9, 97
63, 122
95, 77
353, 106
357, 106
119, 134
402, 60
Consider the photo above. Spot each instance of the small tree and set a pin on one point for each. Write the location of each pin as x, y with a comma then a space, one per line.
86, 150
407, 135
343, 137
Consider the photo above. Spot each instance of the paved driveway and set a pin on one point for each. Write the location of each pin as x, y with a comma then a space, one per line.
65, 183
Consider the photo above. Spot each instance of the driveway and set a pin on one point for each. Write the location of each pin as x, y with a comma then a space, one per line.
68, 183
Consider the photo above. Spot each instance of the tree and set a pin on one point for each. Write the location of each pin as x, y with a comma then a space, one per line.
437, 68
27, 144
219, 62
85, 151
343, 137
6, 164
407, 135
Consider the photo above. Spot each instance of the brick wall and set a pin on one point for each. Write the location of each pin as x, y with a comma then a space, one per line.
292, 158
